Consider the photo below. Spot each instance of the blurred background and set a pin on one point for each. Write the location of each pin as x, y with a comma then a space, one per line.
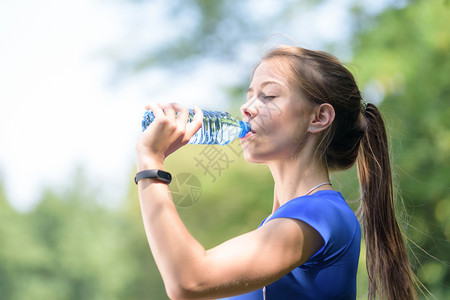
74, 79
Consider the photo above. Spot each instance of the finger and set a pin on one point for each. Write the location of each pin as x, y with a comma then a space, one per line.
169, 111
157, 110
182, 114
196, 123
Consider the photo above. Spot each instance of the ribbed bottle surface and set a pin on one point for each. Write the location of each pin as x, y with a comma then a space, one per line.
219, 128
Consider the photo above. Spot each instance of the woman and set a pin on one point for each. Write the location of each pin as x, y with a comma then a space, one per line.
308, 248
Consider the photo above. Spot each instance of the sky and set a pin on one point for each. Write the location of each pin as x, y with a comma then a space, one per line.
57, 111
61, 107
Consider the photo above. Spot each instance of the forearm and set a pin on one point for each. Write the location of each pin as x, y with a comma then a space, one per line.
180, 258
176, 252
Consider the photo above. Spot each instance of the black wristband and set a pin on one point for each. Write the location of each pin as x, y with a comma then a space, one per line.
154, 174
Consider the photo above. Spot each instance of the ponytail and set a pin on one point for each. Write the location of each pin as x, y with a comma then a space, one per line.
390, 274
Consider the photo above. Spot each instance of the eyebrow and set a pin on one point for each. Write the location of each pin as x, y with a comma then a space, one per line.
250, 89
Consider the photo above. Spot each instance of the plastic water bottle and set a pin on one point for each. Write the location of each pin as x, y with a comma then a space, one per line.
219, 128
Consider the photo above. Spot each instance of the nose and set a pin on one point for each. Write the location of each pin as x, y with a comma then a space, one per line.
249, 109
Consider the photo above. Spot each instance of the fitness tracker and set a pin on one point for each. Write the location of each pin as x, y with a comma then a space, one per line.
154, 174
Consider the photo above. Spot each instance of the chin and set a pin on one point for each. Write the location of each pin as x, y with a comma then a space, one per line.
252, 158
248, 157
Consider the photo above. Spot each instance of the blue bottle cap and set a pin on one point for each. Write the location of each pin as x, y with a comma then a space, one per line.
245, 128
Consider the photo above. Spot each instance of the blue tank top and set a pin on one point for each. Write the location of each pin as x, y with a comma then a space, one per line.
331, 272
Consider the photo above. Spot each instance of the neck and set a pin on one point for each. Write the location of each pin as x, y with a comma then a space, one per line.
296, 177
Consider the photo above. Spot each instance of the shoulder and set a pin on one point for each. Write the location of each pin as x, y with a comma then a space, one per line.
325, 211
322, 203
294, 239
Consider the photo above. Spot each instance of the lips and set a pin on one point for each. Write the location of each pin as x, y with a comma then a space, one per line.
248, 135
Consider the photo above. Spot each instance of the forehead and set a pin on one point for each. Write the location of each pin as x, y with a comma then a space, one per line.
268, 70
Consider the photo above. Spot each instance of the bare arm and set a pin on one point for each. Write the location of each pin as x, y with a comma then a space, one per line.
240, 265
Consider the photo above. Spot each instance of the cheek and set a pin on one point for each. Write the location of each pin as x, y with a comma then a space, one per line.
287, 138
269, 125
297, 131
289, 127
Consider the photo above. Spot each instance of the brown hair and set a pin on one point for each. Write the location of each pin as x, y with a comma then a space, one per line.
356, 134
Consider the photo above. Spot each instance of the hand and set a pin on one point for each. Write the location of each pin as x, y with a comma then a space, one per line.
168, 132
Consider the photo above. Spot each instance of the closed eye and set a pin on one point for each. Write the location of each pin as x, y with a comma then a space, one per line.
268, 98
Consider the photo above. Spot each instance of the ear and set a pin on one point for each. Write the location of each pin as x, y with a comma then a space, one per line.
322, 118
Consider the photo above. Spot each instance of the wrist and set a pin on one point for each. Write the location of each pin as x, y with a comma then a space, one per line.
154, 174
147, 163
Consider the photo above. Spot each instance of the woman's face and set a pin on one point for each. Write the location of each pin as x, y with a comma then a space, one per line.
279, 116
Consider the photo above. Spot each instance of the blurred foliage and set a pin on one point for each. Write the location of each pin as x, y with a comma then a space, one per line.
406, 57
71, 247
219, 29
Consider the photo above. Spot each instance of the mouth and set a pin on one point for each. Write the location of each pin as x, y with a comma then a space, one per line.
248, 135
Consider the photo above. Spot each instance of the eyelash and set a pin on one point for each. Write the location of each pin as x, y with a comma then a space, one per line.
268, 97
264, 97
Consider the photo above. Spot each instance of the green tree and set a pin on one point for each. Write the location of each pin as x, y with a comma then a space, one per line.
405, 56
71, 247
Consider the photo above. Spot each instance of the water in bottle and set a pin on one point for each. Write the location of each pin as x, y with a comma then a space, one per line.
219, 128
